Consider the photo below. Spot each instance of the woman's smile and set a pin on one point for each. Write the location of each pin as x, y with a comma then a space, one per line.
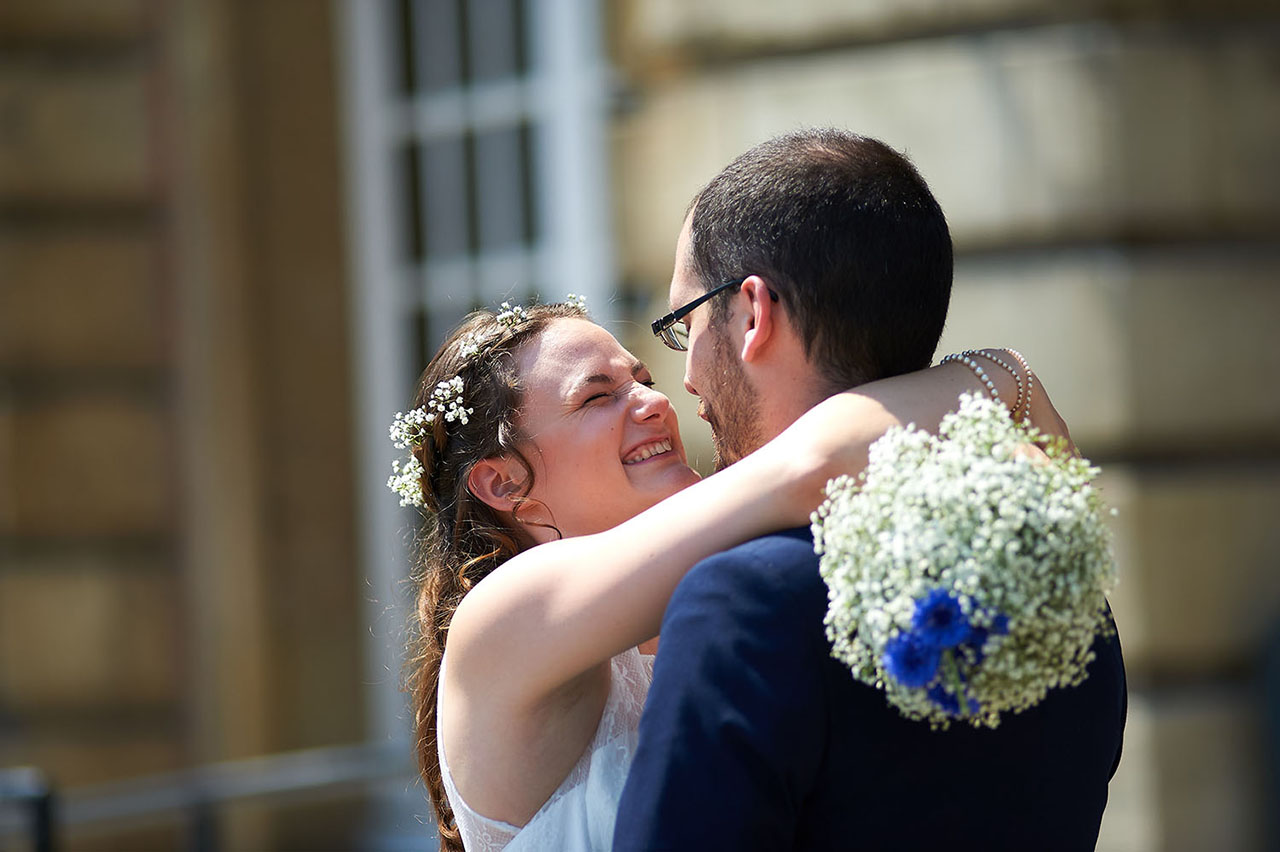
647, 451
608, 441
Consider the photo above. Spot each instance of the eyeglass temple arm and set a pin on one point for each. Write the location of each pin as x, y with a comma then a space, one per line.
663, 323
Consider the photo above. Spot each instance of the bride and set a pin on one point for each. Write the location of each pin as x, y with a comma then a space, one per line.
560, 515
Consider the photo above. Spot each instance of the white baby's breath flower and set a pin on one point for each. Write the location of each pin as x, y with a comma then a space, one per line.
447, 400
407, 482
511, 315
410, 430
578, 301
1015, 552
468, 346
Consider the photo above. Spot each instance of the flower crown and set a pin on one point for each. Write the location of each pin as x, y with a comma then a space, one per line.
409, 431
446, 404
511, 316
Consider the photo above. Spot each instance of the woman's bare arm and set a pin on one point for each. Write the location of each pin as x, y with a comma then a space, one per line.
559, 609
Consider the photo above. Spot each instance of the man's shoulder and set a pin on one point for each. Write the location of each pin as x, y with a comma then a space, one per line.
795, 544
781, 567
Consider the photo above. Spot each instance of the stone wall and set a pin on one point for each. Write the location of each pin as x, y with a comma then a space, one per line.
178, 581
1110, 177
90, 596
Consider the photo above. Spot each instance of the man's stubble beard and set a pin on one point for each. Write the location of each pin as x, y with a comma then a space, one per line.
731, 407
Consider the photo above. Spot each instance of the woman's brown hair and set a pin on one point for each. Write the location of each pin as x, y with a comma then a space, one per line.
461, 538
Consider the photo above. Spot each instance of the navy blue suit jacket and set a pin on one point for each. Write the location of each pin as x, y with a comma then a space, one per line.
753, 737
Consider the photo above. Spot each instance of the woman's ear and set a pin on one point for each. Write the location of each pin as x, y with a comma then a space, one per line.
495, 483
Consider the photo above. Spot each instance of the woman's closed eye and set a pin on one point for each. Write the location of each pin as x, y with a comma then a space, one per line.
610, 394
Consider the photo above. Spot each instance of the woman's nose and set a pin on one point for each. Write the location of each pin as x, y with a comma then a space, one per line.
648, 403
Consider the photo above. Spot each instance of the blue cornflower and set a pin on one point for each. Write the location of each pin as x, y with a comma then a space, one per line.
939, 620
976, 642
949, 702
910, 660
977, 638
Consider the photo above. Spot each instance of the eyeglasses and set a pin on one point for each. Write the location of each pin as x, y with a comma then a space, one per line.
672, 332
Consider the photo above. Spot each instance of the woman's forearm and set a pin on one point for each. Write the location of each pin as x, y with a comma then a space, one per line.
567, 605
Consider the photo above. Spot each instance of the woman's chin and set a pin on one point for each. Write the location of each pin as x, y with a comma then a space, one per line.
674, 479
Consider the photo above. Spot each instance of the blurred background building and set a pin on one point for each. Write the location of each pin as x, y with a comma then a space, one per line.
231, 232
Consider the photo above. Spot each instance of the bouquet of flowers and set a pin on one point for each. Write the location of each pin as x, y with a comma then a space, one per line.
966, 576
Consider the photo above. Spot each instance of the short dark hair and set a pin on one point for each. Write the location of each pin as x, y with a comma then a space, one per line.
846, 231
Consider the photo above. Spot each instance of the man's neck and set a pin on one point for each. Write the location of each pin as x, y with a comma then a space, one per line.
778, 411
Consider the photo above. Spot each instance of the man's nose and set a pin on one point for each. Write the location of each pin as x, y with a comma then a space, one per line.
688, 382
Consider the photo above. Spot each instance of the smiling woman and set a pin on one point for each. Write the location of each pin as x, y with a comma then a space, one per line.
604, 444
560, 516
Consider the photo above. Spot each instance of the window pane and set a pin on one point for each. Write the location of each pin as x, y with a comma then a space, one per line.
500, 188
438, 44
444, 191
495, 38
526, 166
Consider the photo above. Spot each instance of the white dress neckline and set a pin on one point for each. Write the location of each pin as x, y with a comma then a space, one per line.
579, 816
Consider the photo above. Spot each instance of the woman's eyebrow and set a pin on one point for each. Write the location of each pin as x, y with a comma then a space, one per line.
637, 367
593, 379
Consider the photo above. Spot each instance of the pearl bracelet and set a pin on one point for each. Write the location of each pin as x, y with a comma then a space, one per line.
977, 371
1030, 379
1017, 406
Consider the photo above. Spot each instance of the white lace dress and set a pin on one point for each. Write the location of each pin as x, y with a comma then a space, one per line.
579, 815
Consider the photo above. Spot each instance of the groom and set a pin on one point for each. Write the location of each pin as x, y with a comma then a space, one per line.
830, 265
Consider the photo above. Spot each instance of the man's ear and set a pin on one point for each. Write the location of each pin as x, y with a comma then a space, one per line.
497, 482
762, 317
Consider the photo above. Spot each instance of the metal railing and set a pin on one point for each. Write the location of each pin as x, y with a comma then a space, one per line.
26, 798
29, 805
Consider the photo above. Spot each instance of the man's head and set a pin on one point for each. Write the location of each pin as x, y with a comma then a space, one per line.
846, 264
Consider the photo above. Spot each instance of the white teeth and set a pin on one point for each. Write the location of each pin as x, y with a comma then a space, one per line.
648, 451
